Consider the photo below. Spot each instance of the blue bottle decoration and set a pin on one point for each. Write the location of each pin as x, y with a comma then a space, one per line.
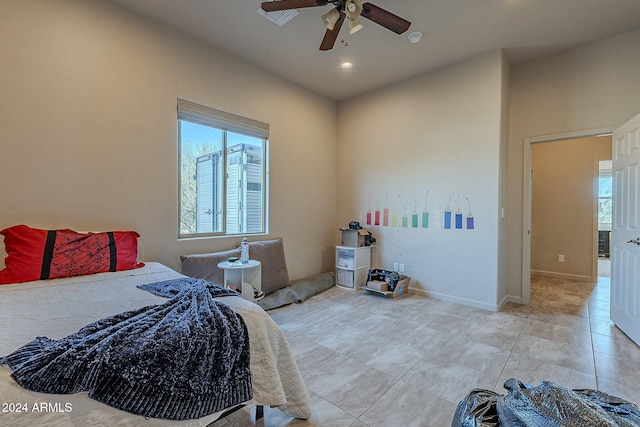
470, 224
458, 219
470, 220
447, 219
447, 212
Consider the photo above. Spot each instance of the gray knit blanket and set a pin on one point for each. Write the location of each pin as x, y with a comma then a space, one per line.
184, 359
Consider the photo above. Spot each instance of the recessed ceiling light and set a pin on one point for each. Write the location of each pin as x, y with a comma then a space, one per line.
346, 65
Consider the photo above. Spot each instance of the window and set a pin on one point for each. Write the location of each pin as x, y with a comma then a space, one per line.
605, 194
223, 170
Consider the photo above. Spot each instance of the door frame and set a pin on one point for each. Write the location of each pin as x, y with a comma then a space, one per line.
526, 196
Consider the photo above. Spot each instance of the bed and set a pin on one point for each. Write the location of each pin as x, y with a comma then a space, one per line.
59, 307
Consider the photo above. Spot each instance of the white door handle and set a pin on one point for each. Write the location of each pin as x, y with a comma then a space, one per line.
635, 242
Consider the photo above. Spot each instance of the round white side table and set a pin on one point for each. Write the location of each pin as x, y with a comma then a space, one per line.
246, 278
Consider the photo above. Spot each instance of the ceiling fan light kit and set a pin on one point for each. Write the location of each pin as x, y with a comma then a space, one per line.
353, 9
343, 9
330, 18
354, 25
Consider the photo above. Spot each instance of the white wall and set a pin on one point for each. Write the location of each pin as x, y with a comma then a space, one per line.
88, 130
439, 133
591, 87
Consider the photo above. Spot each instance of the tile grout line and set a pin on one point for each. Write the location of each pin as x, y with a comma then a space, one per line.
510, 354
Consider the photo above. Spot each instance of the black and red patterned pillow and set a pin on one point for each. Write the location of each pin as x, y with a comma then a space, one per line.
35, 254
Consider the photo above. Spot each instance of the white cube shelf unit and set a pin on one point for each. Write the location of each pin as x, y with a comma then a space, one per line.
352, 266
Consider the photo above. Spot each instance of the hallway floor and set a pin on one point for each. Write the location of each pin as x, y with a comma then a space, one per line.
604, 267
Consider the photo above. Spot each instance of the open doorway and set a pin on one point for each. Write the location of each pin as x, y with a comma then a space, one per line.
564, 210
552, 257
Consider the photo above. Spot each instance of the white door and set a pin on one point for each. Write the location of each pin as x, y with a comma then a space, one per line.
625, 231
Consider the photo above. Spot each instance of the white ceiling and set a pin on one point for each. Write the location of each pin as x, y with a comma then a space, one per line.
453, 31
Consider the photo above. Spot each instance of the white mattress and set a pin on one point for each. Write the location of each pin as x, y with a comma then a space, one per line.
57, 308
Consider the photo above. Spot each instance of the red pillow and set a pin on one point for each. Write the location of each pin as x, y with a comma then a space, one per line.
34, 254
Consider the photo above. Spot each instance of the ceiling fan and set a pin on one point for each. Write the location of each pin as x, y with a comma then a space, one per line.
343, 9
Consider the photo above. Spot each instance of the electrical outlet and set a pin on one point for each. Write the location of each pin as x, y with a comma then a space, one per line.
395, 266
560, 258
401, 268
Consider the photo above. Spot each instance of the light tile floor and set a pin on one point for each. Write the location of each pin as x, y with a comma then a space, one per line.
370, 361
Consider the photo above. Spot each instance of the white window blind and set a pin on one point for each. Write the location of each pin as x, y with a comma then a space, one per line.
208, 116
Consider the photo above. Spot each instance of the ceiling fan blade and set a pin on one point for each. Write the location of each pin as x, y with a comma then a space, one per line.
272, 6
330, 36
386, 19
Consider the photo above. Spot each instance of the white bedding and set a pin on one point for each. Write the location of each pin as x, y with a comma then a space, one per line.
57, 308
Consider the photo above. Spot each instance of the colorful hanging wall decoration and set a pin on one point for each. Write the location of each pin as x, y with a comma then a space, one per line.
392, 216
385, 215
447, 213
470, 222
405, 218
458, 215
414, 214
425, 213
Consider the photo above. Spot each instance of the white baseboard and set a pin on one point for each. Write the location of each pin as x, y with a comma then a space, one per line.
502, 303
457, 300
564, 276
514, 299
